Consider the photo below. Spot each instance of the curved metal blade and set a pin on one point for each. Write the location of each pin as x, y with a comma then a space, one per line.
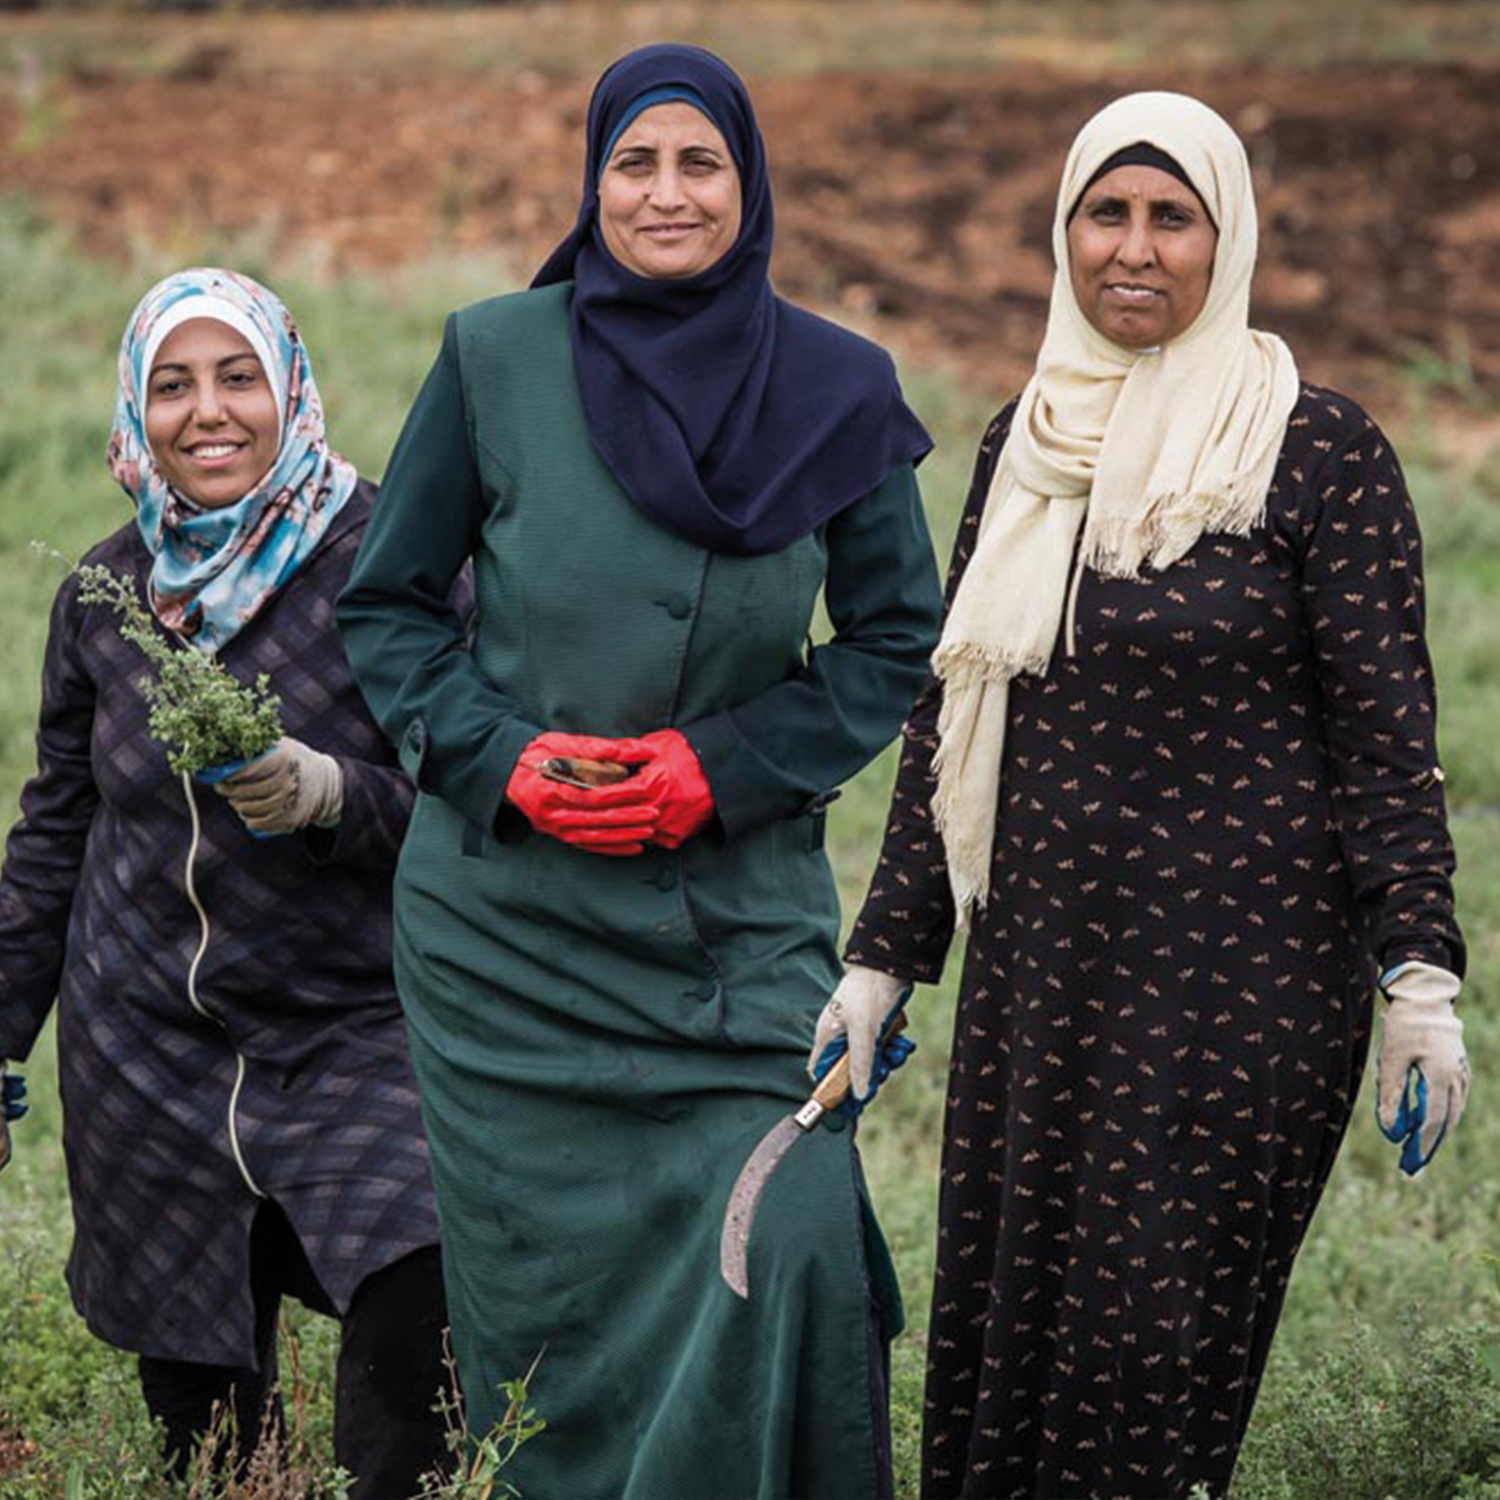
734, 1241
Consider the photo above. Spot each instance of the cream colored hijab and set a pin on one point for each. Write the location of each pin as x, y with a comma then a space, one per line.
1143, 450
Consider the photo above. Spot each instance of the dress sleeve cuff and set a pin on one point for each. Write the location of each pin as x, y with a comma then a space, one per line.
744, 797
1439, 954
901, 966
475, 785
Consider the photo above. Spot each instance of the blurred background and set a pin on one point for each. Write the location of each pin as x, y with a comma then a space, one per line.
380, 165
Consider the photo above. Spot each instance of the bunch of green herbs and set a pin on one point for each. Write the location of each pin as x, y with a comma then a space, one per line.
203, 715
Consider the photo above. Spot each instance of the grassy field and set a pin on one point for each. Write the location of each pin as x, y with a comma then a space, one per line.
1386, 1377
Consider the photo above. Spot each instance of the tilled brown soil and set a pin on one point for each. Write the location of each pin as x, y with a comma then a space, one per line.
918, 205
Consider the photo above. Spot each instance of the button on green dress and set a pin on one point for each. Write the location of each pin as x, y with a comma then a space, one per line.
600, 1042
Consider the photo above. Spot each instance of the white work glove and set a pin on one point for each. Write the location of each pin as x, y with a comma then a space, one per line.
859, 1008
287, 788
1420, 1032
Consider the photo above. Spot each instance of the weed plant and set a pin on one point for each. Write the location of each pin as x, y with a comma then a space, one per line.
204, 716
1364, 1423
478, 1463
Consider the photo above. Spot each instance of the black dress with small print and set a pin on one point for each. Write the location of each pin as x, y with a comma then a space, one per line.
1218, 815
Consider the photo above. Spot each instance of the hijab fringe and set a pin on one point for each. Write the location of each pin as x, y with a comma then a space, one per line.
962, 664
1169, 528
971, 725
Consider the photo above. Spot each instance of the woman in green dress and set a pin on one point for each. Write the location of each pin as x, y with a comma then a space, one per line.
655, 465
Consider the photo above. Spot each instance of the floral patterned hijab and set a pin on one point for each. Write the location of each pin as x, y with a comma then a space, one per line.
215, 569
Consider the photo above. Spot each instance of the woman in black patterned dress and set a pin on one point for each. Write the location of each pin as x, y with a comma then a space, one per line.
1176, 762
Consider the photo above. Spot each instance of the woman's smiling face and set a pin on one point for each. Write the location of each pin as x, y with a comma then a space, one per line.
1141, 256
211, 413
669, 195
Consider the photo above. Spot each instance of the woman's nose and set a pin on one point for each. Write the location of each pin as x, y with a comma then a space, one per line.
1137, 245
208, 409
666, 188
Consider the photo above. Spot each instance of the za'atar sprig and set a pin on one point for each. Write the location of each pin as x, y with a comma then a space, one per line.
203, 715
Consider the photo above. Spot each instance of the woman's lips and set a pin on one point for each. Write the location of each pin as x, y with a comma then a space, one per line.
1135, 296
213, 455
667, 231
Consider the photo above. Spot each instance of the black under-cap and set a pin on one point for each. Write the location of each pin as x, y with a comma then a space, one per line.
1141, 154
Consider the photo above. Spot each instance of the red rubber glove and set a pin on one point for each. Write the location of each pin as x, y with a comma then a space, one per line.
674, 780
613, 820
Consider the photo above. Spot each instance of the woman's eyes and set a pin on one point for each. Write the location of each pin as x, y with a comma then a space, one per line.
693, 166
1167, 215
239, 380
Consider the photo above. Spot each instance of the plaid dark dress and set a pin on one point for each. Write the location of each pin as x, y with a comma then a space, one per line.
95, 912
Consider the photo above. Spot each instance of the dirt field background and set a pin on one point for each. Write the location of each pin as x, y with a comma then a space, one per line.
914, 201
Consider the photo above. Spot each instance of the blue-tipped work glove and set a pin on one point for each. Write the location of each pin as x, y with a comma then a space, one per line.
857, 1016
1422, 1071
12, 1107
291, 786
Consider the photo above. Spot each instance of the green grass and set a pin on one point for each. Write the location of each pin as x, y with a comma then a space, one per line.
1380, 1248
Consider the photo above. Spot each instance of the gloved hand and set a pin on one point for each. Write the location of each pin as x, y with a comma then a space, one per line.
287, 788
677, 785
1422, 1071
615, 819
892, 1053
12, 1107
856, 1017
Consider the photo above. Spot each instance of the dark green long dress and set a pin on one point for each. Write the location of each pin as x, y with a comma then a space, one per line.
600, 1041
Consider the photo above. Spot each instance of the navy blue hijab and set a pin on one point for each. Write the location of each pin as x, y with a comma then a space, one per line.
728, 415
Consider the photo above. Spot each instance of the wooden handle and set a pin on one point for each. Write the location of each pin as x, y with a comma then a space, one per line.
833, 1087
582, 772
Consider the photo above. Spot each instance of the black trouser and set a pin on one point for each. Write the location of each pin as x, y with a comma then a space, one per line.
390, 1367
